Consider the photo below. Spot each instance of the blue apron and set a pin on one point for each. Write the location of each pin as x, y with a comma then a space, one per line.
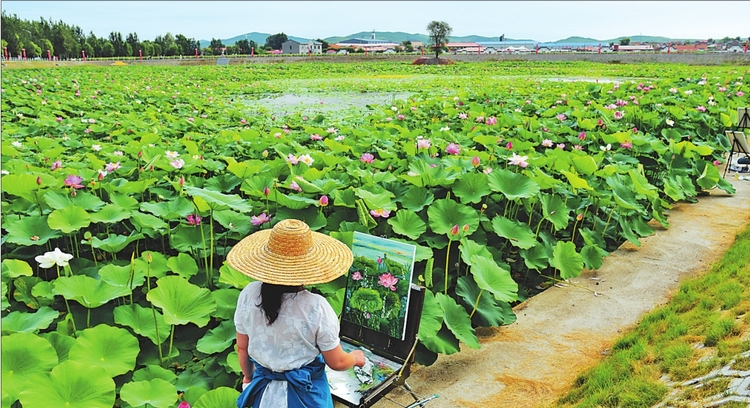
308, 386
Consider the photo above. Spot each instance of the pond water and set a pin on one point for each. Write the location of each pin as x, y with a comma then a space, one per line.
312, 103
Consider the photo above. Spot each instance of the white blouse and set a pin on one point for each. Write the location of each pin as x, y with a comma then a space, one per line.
306, 325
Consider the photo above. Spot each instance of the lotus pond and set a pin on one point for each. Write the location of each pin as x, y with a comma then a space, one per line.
124, 187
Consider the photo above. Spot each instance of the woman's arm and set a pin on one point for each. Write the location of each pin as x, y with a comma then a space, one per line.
340, 360
245, 364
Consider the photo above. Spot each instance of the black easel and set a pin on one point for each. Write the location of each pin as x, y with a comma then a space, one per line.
743, 122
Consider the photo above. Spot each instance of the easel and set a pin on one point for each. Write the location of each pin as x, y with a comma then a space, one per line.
743, 122
399, 352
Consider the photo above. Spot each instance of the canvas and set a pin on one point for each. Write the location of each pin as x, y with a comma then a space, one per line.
378, 286
352, 384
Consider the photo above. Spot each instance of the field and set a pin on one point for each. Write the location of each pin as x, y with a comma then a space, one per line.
123, 188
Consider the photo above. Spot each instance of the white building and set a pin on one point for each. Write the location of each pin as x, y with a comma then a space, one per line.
296, 47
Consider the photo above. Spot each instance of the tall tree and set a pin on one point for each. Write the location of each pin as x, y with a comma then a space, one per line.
135, 45
625, 41
324, 45
216, 46
275, 41
439, 32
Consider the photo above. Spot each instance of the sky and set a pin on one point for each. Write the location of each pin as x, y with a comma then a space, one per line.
534, 20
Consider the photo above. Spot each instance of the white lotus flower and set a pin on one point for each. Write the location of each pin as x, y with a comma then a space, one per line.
56, 257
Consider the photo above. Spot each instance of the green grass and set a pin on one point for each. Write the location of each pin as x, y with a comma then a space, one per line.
711, 310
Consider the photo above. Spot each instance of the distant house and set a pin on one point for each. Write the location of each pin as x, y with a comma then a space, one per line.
735, 48
691, 48
296, 47
371, 44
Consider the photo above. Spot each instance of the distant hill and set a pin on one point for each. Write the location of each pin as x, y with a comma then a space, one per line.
400, 36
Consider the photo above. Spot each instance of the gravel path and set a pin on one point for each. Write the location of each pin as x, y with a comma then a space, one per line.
565, 330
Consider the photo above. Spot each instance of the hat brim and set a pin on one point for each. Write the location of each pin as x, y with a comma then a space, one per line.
326, 260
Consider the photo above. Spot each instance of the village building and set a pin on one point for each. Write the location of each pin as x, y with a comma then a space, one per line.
297, 47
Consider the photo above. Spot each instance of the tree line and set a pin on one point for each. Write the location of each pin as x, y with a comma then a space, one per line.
46, 38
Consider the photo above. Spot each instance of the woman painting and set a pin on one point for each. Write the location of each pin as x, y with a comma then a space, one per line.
286, 334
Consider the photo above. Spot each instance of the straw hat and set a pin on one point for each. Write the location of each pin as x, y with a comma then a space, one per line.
290, 254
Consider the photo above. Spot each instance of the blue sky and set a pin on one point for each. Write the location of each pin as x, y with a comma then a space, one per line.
536, 20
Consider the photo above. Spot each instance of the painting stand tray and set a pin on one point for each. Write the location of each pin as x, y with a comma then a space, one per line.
393, 355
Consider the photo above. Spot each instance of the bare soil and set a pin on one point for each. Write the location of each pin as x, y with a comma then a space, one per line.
564, 331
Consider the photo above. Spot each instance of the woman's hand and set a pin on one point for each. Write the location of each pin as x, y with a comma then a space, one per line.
359, 357
245, 382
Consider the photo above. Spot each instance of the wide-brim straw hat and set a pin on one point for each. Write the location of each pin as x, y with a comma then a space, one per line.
290, 254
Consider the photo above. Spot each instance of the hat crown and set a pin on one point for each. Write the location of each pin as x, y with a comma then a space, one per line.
290, 238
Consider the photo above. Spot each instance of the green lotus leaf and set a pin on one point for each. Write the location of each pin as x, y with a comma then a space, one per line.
13, 268
151, 372
87, 201
536, 257
512, 185
125, 201
33, 291
183, 265
585, 165
155, 393
147, 222
518, 233
469, 248
111, 348
233, 362
490, 312
374, 201
181, 301
69, 219
72, 385
417, 198
193, 379
457, 320
4, 303
555, 211
218, 397
344, 198
640, 226
408, 224
641, 185
233, 277
172, 210
444, 214
226, 302
567, 260
432, 316
24, 355
110, 214
709, 177
627, 232
61, 342
623, 195
142, 320
29, 231
222, 183
217, 339
592, 256
87, 291
17, 321
130, 187
120, 276
21, 185
472, 188
186, 238
115, 243
493, 278
443, 342
576, 182
219, 201
236, 222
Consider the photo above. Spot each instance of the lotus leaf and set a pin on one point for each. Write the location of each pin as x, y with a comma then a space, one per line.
87, 201
29, 231
155, 393
24, 355
219, 397
444, 214
555, 211
115, 243
17, 321
181, 301
408, 224
226, 302
493, 278
142, 321
517, 233
71, 384
472, 188
170, 210
13, 268
219, 201
457, 320
151, 372
87, 291
110, 214
512, 185
489, 311
567, 260
218, 339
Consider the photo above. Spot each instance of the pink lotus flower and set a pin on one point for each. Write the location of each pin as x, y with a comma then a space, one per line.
323, 201
367, 158
462, 116
59, 119
400, 117
389, 281
101, 175
453, 149
292, 159
177, 163
243, 121
480, 119
577, 147
509, 145
491, 121
475, 161
110, 167
183, 404
316, 137
73, 181
561, 145
487, 170
181, 181
700, 108
194, 219
190, 119
582, 136
517, 160
740, 94
626, 144
380, 213
547, 143
561, 117
423, 144
294, 186
618, 115
356, 276
260, 220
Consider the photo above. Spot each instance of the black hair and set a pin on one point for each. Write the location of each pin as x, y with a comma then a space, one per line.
270, 299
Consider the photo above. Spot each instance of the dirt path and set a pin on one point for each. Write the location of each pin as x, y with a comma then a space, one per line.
564, 331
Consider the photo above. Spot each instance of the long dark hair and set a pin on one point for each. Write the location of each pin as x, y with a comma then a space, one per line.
270, 299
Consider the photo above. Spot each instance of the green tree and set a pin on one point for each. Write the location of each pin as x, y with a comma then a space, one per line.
47, 45
89, 50
624, 41
324, 45
135, 45
108, 50
439, 32
245, 46
407, 46
274, 41
216, 46
33, 50
157, 49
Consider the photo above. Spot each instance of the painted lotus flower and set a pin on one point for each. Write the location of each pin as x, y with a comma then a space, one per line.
356, 276
389, 281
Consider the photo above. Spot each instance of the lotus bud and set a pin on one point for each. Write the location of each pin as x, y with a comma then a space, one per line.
265, 153
466, 228
475, 161
266, 191
323, 201
140, 154
149, 259
454, 231
579, 217
73, 193
182, 181
39, 181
